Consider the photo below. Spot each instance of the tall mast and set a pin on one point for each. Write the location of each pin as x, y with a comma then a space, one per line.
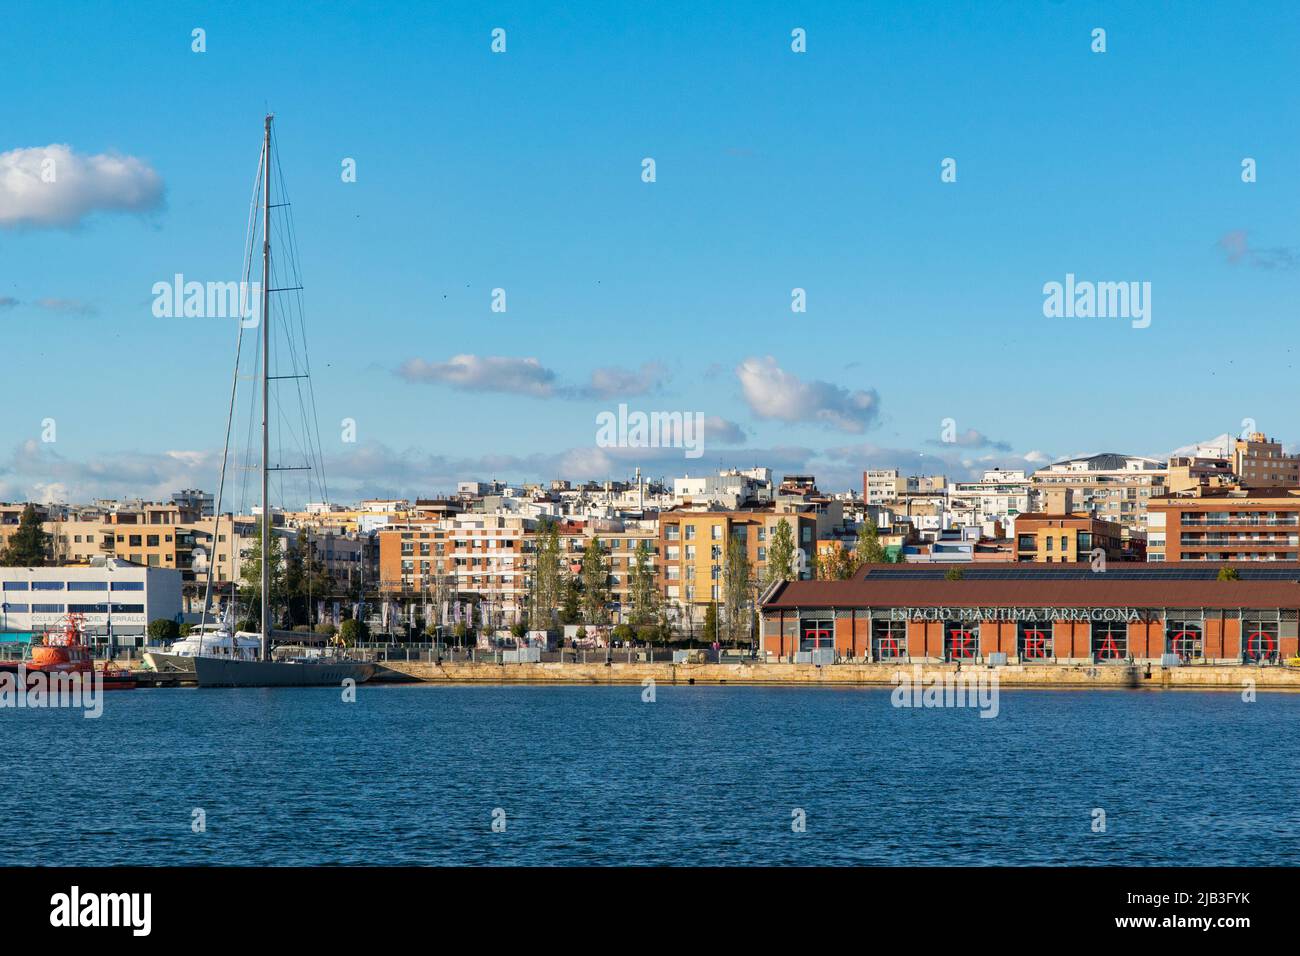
266, 349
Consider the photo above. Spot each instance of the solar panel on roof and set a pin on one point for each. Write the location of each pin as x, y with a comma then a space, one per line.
1081, 572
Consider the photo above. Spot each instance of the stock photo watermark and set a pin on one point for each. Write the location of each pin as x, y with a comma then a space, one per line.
624, 429
207, 300
1084, 299
37, 690
977, 689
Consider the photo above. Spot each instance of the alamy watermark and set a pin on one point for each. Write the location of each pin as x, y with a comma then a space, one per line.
651, 430
969, 688
207, 300
37, 690
1101, 300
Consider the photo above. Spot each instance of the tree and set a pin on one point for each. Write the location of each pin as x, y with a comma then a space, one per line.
163, 630
780, 554
570, 611
736, 587
29, 545
353, 632
869, 549
838, 564
1229, 574
548, 584
710, 633
250, 591
644, 597
305, 580
954, 574
595, 583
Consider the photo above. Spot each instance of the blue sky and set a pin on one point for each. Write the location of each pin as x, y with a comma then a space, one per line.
775, 170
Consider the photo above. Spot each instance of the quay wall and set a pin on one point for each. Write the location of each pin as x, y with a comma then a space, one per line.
1064, 676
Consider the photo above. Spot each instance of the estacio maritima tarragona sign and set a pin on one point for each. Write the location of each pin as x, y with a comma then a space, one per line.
1015, 614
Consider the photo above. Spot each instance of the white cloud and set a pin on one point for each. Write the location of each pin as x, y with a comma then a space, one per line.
973, 438
527, 376
53, 186
773, 392
486, 373
623, 382
721, 430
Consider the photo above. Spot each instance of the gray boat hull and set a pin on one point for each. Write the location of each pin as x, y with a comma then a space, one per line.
224, 672
169, 663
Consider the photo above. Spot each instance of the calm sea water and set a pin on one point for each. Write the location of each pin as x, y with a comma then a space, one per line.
704, 775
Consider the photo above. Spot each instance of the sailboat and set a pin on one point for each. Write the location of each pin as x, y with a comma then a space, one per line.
266, 671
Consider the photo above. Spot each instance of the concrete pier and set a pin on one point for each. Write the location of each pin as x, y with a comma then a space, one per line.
1056, 676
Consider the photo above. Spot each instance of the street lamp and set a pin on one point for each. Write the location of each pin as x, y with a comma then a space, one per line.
715, 587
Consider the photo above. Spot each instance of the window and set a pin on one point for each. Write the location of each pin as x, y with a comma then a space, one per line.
1033, 640
15, 586
961, 640
15, 608
1185, 635
1109, 641
151, 540
715, 532
1259, 637
87, 585
134, 585
816, 633
690, 532
47, 608
888, 640
134, 542
47, 585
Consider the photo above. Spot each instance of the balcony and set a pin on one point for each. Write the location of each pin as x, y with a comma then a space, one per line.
1291, 521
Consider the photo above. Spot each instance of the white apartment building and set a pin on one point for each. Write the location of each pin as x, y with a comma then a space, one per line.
997, 496
728, 489
1106, 486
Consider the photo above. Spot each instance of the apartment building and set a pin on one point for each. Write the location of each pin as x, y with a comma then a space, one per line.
1225, 524
1190, 471
491, 558
693, 545
1259, 462
1110, 487
1066, 538
731, 488
884, 485
620, 540
997, 496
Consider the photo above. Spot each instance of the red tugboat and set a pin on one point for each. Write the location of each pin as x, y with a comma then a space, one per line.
68, 653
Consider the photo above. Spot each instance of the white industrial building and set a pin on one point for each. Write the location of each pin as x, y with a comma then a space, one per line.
114, 597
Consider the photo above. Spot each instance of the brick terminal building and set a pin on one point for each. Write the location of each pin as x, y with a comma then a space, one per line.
1038, 614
